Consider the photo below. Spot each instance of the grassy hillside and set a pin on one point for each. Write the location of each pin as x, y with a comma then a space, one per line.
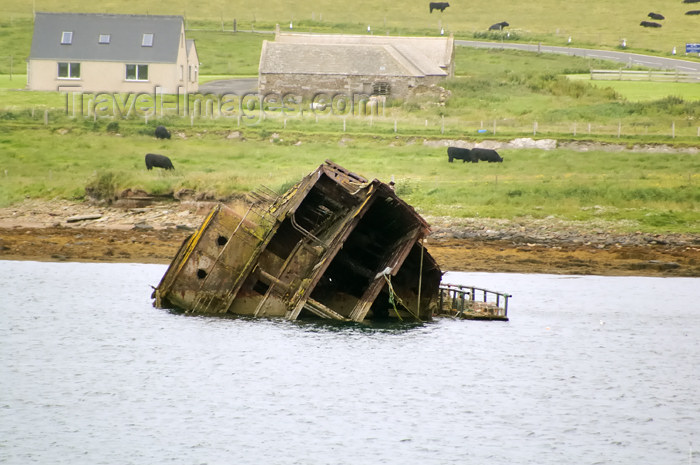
602, 23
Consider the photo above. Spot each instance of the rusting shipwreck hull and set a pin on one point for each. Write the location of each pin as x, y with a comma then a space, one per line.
334, 246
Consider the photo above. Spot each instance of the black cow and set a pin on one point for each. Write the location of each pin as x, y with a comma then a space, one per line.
488, 155
460, 154
691, 1
438, 6
473, 155
162, 133
498, 26
159, 161
693, 12
656, 16
649, 24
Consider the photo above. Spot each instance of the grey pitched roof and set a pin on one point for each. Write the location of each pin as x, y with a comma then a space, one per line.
431, 55
189, 44
375, 60
126, 32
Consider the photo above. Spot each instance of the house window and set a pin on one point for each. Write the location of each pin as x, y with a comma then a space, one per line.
69, 70
104, 38
147, 40
137, 72
66, 37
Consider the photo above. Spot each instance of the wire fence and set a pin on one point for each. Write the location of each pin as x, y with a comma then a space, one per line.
432, 127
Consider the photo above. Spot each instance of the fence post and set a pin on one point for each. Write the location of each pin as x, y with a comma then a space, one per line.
46, 117
442, 128
494, 127
589, 129
619, 128
395, 126
534, 129
673, 129
574, 129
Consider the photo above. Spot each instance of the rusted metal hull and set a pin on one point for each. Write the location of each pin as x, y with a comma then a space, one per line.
334, 246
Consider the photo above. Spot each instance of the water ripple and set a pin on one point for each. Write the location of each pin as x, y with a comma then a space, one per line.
588, 370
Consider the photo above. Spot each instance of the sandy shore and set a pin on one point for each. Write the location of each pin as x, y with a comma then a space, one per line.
129, 232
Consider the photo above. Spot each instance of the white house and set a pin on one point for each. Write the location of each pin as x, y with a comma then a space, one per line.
111, 53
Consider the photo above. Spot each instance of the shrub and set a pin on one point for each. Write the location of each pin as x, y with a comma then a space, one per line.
102, 187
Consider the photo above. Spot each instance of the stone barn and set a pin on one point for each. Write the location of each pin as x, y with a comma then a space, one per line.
309, 64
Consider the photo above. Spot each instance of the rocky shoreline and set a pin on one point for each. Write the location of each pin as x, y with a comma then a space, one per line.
134, 231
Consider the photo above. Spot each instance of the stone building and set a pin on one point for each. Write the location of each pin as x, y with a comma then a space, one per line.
309, 64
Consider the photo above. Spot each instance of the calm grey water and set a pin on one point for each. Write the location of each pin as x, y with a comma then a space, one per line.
589, 370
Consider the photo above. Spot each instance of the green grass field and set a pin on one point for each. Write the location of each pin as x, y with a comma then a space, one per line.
639, 191
517, 94
644, 91
595, 22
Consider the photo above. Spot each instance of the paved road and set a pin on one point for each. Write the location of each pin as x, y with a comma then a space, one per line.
234, 86
621, 57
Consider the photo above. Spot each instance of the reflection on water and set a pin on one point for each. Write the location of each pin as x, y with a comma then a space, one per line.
588, 370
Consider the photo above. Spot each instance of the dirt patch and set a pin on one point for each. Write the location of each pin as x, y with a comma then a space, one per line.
70, 231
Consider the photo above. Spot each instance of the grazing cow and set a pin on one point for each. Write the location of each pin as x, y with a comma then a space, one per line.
438, 6
460, 154
693, 12
649, 24
473, 155
498, 26
159, 161
656, 16
488, 155
162, 133
691, 1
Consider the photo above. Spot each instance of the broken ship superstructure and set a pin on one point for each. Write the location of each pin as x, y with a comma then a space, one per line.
334, 246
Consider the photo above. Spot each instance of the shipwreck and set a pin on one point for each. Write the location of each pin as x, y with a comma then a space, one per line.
334, 246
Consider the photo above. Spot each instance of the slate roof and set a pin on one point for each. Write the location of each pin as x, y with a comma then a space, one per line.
126, 32
375, 60
354, 54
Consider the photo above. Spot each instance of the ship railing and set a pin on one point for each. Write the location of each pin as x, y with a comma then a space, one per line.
462, 301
